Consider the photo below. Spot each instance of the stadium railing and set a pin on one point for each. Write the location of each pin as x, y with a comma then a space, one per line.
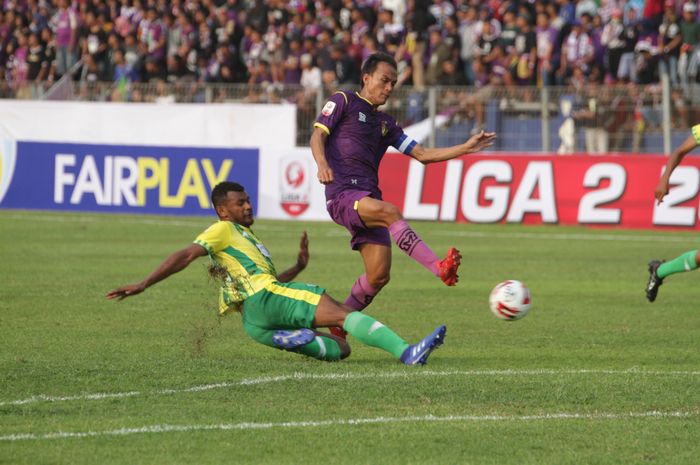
632, 118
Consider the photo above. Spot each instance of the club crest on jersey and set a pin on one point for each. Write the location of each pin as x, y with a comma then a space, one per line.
328, 108
385, 129
362, 117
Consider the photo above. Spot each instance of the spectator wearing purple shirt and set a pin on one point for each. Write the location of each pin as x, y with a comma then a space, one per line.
64, 24
18, 67
359, 26
577, 52
546, 44
292, 62
349, 140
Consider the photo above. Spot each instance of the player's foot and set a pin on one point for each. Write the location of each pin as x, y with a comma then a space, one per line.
448, 267
291, 339
654, 280
338, 332
417, 354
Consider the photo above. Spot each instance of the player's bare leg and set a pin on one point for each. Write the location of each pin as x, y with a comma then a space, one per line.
377, 259
377, 213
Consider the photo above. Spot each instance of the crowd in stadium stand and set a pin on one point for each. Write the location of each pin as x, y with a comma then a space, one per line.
314, 43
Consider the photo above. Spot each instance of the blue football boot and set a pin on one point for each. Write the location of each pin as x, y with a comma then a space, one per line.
417, 354
293, 338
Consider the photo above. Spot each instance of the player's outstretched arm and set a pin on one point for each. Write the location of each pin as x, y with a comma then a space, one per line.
175, 262
673, 161
476, 143
302, 261
318, 149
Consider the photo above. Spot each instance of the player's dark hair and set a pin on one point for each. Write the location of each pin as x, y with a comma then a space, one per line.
372, 61
221, 190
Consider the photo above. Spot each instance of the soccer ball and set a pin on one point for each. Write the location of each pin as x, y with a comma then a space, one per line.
510, 300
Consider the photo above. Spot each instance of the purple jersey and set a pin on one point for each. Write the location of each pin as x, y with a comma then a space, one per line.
358, 136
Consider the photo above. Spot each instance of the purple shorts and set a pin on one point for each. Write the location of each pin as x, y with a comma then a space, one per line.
343, 210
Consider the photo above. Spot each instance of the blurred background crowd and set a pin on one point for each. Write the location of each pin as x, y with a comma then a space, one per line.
611, 54
439, 42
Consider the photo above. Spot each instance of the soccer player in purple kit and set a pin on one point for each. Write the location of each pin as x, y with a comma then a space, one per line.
349, 140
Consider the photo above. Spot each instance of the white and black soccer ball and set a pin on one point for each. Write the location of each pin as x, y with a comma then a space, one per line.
510, 300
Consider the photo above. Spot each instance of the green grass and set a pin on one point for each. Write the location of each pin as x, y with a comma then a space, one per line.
591, 348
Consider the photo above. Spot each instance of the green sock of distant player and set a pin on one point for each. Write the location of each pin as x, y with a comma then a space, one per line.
373, 333
685, 262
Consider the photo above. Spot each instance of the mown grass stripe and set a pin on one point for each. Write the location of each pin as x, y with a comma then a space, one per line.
349, 422
341, 376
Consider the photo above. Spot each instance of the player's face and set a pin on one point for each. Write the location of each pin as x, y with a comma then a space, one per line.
236, 208
379, 85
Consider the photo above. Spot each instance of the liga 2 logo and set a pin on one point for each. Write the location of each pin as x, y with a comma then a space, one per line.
295, 185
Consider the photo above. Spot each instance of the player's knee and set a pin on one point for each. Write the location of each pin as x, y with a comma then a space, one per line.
390, 213
378, 280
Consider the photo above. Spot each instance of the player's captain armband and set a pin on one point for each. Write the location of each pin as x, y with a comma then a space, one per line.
405, 144
328, 108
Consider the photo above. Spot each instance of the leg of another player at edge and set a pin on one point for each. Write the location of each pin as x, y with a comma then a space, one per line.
375, 213
685, 262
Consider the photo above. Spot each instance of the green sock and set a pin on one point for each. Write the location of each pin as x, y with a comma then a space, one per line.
373, 333
685, 262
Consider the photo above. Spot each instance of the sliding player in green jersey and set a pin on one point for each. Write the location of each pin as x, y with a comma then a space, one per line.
658, 269
277, 312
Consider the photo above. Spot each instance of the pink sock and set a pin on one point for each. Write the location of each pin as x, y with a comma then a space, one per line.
411, 243
361, 294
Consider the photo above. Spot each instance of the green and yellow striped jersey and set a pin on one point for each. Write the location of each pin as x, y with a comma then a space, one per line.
247, 263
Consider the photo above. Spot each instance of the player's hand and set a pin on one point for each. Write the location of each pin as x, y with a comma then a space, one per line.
661, 190
126, 291
480, 141
303, 257
325, 174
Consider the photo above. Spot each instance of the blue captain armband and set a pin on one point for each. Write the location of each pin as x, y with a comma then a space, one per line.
405, 144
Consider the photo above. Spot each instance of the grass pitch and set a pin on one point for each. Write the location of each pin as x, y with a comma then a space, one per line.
593, 375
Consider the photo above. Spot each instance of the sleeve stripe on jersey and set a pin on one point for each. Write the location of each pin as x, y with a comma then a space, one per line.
323, 128
405, 144
206, 246
344, 95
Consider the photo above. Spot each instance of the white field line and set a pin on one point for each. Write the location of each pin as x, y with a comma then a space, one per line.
666, 238
349, 422
338, 376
